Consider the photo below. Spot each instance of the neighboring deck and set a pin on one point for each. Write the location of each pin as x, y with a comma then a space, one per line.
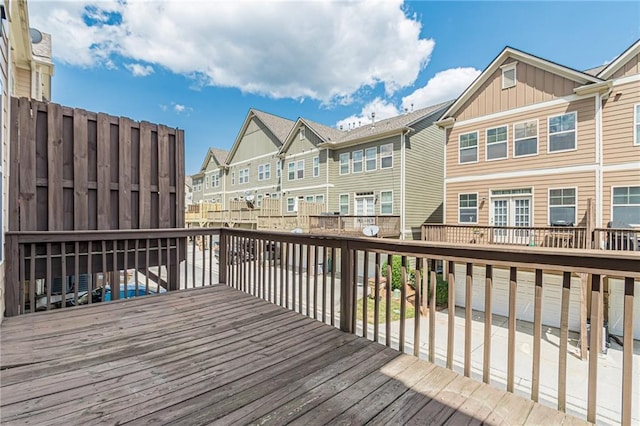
217, 354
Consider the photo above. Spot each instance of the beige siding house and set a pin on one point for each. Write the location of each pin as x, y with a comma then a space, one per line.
25, 71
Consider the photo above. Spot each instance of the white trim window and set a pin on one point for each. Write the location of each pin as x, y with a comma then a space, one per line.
264, 171
291, 171
562, 206
291, 205
278, 169
206, 182
468, 208
525, 138
386, 202
636, 129
370, 155
356, 161
625, 208
509, 75
259, 200
320, 199
344, 163
233, 178
309, 198
300, 171
316, 166
215, 179
344, 204
497, 143
468, 148
244, 176
562, 132
386, 156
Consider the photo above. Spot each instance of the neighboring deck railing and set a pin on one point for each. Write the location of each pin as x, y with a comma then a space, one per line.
388, 226
552, 236
324, 276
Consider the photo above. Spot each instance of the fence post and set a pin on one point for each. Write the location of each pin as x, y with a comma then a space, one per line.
12, 280
222, 258
346, 288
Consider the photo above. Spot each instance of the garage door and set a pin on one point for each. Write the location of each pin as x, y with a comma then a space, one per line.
616, 308
551, 295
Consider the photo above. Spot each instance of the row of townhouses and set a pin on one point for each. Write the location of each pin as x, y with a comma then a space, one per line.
529, 143
390, 167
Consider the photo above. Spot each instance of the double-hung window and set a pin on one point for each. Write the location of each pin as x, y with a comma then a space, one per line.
278, 169
497, 143
300, 169
370, 155
468, 208
386, 202
562, 132
626, 205
636, 129
386, 156
320, 199
316, 166
344, 204
344, 163
206, 182
291, 171
261, 172
356, 159
562, 206
244, 176
233, 178
291, 205
525, 138
468, 145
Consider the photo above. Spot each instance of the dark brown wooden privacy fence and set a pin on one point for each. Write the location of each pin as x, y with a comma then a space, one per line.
79, 170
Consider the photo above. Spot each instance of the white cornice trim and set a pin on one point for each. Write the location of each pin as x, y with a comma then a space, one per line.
271, 154
523, 173
622, 167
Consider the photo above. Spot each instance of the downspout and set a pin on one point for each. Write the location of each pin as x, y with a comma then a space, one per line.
599, 161
34, 94
224, 188
403, 219
326, 205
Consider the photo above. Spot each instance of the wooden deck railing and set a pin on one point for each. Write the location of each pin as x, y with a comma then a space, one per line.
623, 239
331, 278
551, 236
389, 226
322, 277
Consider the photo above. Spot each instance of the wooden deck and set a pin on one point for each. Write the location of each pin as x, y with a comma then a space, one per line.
216, 355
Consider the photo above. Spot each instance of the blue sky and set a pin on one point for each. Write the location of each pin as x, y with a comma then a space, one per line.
201, 65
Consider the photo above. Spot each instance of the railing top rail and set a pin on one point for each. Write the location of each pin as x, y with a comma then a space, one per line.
631, 230
550, 228
97, 235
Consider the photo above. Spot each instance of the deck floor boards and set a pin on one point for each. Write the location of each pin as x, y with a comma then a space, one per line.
219, 356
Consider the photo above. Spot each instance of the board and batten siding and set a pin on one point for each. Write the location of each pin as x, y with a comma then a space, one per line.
632, 67
424, 175
257, 140
583, 181
305, 149
618, 125
371, 181
613, 179
584, 154
534, 85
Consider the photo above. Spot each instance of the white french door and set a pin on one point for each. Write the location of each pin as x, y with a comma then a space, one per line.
364, 206
511, 212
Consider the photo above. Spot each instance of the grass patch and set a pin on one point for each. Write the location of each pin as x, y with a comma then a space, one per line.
395, 310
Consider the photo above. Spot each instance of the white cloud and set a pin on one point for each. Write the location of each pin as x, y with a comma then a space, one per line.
139, 70
380, 107
443, 86
325, 50
180, 108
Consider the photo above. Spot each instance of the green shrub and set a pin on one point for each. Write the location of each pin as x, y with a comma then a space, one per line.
396, 273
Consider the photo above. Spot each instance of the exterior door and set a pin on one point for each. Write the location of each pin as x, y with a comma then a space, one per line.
364, 207
512, 212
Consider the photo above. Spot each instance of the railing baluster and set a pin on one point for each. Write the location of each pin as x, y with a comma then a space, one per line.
354, 290
403, 302
451, 307
160, 263
269, 270
417, 307
115, 287
468, 318
537, 337
170, 284
389, 288
294, 259
32, 278
325, 265
365, 297
315, 281
564, 341
23, 279
193, 261
89, 271
63, 278
124, 264
146, 278
204, 258
308, 289
488, 323
136, 265
511, 340
433, 283
333, 285
211, 246
49, 280
76, 270
627, 348
300, 277
376, 302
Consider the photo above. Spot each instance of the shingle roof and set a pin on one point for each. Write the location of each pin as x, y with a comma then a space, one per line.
595, 71
220, 154
330, 134
279, 126
390, 124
